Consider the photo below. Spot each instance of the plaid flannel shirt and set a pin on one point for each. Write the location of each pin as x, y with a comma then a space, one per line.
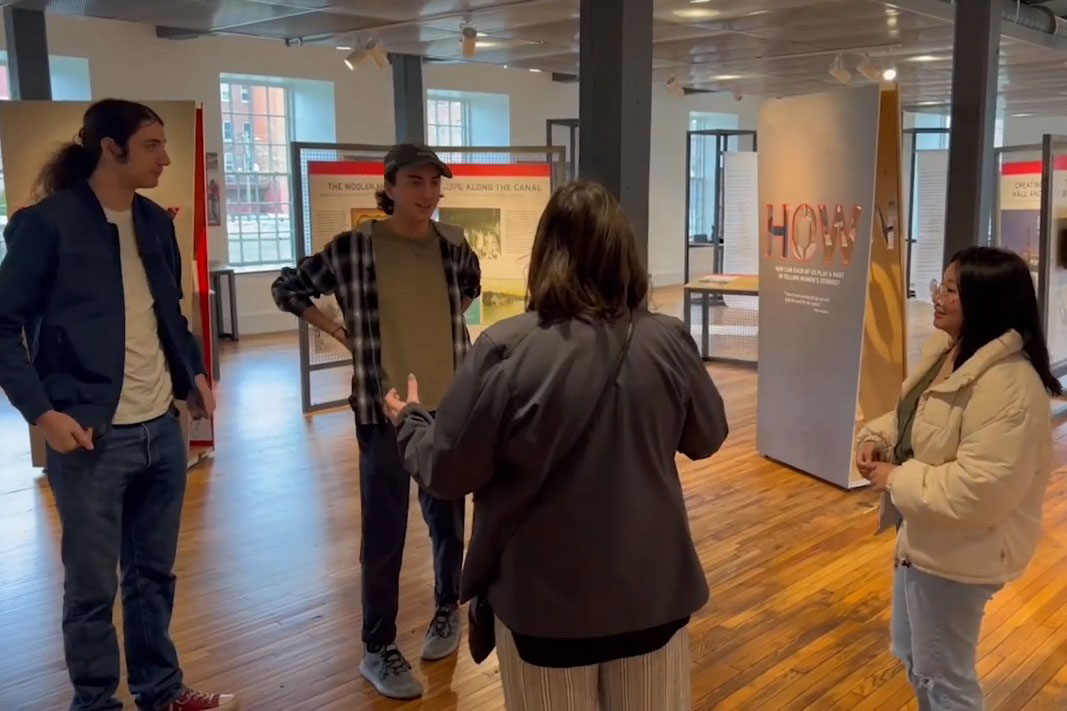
345, 268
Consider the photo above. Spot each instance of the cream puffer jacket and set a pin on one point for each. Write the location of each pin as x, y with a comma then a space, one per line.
971, 497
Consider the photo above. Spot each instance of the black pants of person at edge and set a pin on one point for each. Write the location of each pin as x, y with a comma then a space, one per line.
385, 488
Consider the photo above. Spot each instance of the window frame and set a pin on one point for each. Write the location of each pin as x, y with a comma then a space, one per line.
246, 208
433, 126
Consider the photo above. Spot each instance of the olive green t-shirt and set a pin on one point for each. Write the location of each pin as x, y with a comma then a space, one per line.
415, 314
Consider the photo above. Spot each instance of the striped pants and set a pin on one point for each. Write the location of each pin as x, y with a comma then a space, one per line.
653, 682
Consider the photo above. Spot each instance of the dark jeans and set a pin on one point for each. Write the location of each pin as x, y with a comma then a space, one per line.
120, 505
385, 488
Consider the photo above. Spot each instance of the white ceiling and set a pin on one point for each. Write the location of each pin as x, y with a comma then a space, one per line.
757, 47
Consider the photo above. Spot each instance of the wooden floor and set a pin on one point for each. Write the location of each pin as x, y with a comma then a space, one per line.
268, 602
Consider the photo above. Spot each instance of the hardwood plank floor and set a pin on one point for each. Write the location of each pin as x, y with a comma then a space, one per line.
268, 600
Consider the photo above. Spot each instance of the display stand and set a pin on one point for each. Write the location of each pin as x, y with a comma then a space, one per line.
699, 147
832, 329
1017, 202
726, 335
917, 221
1030, 219
564, 132
347, 175
1052, 274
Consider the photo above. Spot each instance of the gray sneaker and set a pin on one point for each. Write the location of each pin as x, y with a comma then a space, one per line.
387, 670
442, 638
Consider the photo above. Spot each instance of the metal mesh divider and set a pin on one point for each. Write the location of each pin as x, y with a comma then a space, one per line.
731, 332
327, 356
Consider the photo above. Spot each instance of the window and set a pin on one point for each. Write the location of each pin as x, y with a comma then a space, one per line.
227, 130
225, 93
447, 120
257, 173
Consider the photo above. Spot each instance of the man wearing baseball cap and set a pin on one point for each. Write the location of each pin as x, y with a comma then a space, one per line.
403, 284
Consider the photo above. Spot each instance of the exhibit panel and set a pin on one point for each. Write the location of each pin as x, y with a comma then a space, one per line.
925, 191
820, 163
1018, 219
884, 358
706, 196
926, 255
1053, 285
721, 300
496, 195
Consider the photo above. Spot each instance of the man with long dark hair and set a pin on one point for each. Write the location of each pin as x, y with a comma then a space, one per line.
403, 285
93, 279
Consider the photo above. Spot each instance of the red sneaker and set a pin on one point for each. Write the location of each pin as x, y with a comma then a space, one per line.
193, 700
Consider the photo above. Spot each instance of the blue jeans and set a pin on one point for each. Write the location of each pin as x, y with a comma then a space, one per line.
120, 505
936, 623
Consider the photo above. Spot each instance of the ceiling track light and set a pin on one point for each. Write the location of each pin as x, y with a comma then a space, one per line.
468, 40
890, 74
675, 88
838, 70
868, 69
370, 51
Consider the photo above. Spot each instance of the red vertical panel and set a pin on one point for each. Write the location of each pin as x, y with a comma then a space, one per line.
200, 252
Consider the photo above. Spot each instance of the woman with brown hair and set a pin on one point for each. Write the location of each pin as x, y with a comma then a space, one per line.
565, 423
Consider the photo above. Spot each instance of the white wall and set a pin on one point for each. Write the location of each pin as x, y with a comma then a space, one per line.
534, 97
666, 194
1029, 130
128, 60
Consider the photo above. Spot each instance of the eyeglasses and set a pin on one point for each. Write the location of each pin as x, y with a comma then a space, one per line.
939, 292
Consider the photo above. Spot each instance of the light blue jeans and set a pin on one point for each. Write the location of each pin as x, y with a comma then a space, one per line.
936, 623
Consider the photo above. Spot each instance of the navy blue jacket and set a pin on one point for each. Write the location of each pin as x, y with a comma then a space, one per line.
61, 283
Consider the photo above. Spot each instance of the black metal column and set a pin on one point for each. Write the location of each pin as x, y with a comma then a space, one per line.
409, 99
27, 54
615, 107
975, 63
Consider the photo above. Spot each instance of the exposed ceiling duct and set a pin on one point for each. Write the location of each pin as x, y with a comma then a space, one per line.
1039, 17
1033, 16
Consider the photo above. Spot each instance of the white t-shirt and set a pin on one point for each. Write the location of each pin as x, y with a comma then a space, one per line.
147, 390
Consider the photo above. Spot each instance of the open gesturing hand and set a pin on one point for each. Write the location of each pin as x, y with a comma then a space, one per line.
394, 405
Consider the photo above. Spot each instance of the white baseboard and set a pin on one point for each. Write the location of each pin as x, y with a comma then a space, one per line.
276, 322
667, 279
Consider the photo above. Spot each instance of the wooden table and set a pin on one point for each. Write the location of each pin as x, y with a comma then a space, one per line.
710, 291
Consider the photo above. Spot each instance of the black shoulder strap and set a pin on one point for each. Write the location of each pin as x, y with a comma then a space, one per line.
557, 465
612, 376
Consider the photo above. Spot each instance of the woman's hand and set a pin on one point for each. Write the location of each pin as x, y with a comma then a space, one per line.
867, 456
394, 405
879, 475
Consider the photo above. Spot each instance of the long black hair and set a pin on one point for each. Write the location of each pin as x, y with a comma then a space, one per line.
74, 162
997, 295
385, 203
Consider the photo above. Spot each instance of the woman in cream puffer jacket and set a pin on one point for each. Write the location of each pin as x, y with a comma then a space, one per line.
964, 462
